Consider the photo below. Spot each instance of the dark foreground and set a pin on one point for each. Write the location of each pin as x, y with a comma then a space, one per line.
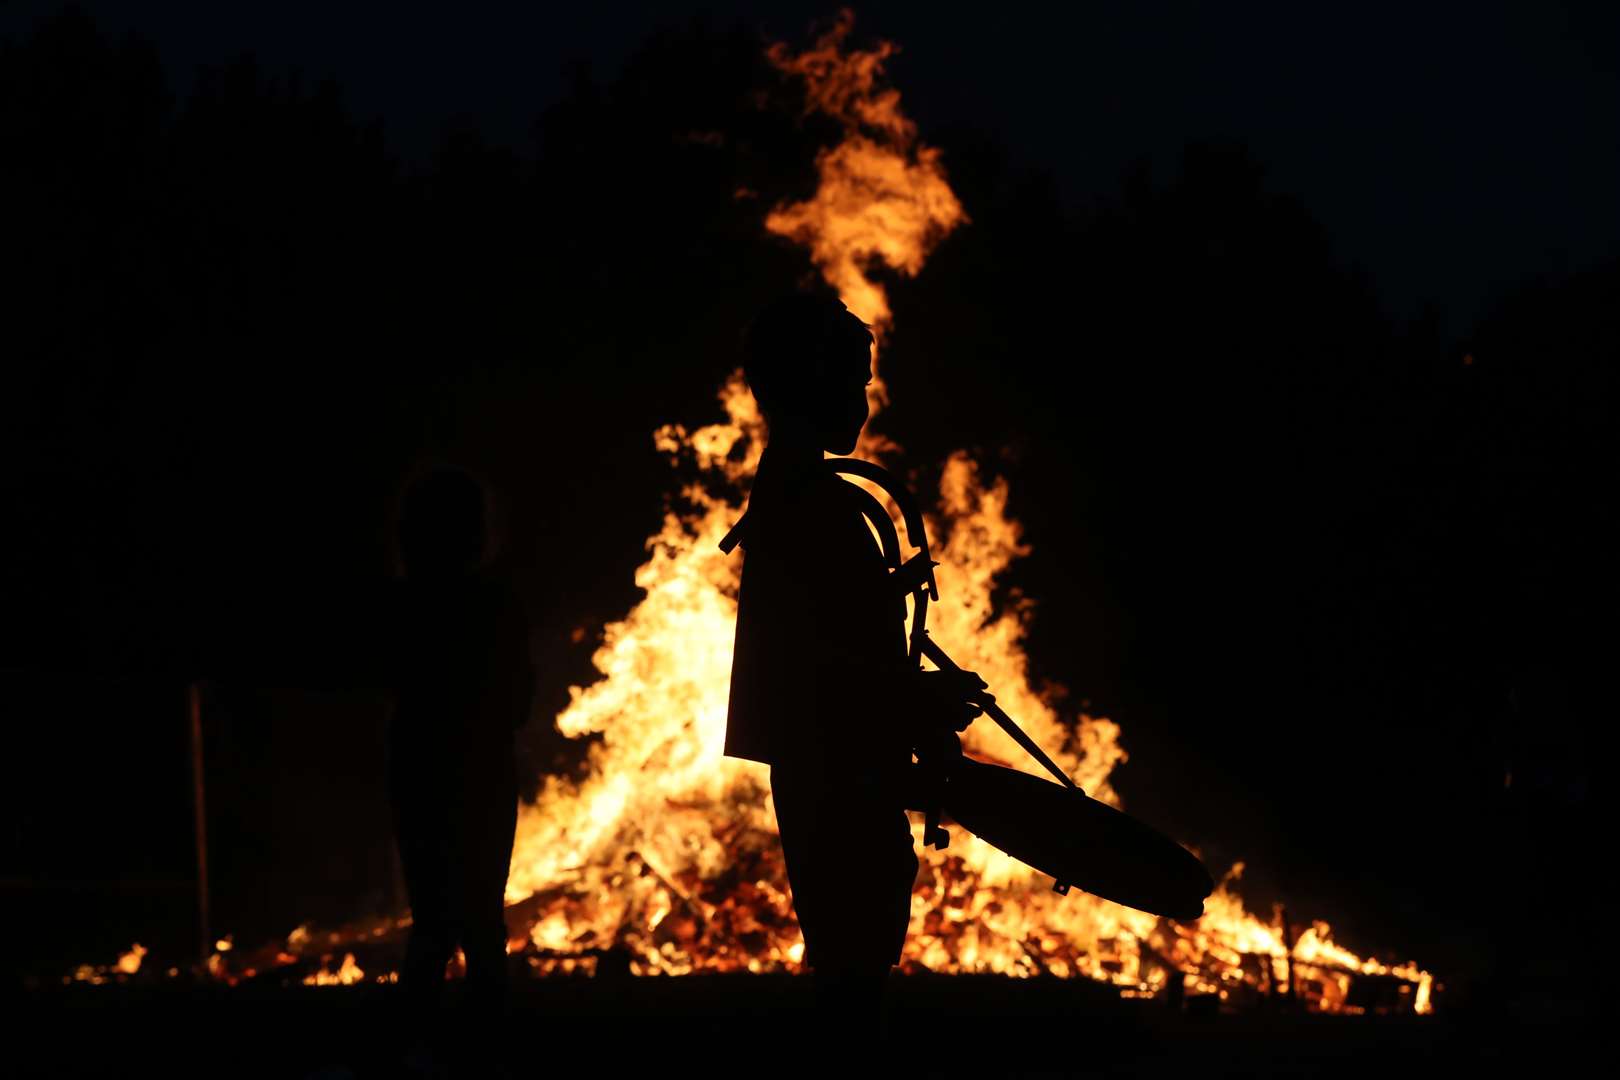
744, 1025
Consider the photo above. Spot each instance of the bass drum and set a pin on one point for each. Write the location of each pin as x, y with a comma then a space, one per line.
1077, 840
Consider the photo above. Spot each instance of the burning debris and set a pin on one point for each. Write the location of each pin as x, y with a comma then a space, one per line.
98, 975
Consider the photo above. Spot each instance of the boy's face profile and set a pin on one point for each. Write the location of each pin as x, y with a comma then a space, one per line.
842, 411
809, 362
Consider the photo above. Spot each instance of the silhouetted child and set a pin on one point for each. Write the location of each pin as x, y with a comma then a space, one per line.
821, 687
462, 684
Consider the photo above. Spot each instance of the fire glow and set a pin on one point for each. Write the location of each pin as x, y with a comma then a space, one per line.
664, 854
666, 850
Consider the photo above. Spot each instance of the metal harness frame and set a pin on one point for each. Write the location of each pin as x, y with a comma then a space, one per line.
914, 577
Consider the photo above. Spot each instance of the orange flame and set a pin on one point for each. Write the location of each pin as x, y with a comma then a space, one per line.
664, 851
130, 962
666, 848
882, 196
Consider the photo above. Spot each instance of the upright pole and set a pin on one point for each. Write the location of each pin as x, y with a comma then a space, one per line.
1288, 946
200, 813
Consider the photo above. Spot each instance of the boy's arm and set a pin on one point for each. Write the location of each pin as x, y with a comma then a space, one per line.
848, 679
825, 651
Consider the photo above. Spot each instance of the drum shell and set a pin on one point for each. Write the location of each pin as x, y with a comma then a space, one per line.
1077, 840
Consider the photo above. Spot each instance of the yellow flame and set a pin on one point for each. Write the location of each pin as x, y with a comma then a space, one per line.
666, 848
347, 974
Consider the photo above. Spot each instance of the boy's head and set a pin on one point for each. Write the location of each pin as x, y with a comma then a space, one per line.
442, 529
808, 360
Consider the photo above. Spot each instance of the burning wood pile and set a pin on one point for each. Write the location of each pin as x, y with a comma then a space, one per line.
662, 858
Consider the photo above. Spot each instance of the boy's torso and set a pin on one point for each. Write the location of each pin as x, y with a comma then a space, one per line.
817, 624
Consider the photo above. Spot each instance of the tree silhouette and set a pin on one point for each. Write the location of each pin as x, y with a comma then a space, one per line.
1267, 521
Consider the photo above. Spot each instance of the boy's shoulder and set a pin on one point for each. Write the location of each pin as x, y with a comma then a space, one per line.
805, 512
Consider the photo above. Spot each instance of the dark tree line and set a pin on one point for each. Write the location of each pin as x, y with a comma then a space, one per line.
1273, 529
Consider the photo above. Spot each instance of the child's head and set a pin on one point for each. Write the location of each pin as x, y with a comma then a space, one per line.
442, 528
808, 360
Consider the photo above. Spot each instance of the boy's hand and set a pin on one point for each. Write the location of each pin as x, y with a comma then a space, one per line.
955, 697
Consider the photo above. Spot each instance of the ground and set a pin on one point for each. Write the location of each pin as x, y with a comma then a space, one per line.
745, 1024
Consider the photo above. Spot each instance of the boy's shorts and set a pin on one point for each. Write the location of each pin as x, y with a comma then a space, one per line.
847, 843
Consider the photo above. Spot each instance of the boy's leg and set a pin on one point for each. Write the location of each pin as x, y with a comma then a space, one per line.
431, 939
851, 865
483, 856
483, 903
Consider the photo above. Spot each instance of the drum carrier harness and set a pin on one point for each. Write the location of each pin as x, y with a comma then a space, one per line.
914, 577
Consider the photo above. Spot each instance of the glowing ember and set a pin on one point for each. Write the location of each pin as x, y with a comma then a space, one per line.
126, 965
130, 962
347, 974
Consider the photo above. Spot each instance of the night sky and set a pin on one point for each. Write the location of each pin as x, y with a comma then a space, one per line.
1291, 329
1451, 150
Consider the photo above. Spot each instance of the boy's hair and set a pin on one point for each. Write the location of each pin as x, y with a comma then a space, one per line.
789, 341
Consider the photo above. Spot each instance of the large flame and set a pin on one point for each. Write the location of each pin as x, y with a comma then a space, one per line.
666, 850
882, 195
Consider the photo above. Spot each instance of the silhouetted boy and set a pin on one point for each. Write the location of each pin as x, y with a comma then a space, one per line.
821, 688
462, 684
